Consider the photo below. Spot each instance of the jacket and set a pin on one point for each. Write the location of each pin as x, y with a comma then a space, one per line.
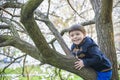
91, 55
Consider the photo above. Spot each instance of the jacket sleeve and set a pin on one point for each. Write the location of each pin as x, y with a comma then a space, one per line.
95, 54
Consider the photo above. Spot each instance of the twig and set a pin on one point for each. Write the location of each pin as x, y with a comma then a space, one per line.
10, 64
7, 55
48, 9
74, 9
4, 27
23, 68
9, 12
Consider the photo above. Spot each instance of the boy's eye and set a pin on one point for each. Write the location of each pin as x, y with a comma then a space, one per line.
77, 34
72, 35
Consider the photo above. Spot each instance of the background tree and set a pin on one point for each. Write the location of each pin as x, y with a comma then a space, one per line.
104, 28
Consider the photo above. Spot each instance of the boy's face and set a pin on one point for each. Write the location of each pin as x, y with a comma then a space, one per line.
76, 36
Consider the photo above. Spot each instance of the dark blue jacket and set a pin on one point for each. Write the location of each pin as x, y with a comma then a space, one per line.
91, 55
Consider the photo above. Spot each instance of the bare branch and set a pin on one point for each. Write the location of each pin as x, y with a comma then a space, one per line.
4, 27
10, 64
116, 4
9, 12
48, 8
74, 9
19, 24
21, 45
88, 22
7, 55
12, 26
11, 5
23, 68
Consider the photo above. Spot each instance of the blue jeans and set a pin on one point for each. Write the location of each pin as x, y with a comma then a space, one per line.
104, 75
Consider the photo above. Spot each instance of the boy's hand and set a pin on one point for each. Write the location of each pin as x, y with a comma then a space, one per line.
79, 64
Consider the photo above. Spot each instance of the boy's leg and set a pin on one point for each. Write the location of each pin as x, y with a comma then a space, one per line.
104, 75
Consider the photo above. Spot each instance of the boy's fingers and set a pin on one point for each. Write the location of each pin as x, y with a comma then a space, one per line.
77, 62
76, 65
79, 67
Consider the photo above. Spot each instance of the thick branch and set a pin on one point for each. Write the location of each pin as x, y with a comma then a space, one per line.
11, 5
96, 5
54, 31
21, 45
4, 27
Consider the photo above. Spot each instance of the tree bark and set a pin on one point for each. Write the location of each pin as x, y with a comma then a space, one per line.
25, 47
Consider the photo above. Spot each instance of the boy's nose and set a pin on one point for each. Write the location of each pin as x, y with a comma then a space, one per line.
75, 36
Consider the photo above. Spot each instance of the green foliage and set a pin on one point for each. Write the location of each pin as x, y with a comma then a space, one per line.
44, 72
119, 73
31, 78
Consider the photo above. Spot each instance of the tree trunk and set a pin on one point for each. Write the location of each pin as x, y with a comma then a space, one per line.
105, 34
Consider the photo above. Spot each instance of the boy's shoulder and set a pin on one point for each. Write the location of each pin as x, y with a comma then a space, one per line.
88, 43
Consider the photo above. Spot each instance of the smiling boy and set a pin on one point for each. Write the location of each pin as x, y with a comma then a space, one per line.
88, 53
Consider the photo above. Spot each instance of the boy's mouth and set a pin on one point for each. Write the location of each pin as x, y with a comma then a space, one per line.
76, 40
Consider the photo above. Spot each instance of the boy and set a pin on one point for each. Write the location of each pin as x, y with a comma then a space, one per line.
88, 53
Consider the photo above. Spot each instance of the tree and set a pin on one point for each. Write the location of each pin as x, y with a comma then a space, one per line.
44, 53
104, 28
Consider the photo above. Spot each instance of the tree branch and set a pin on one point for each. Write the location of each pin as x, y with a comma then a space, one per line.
10, 64
11, 5
118, 2
12, 26
74, 9
8, 12
4, 27
21, 45
54, 31
48, 8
